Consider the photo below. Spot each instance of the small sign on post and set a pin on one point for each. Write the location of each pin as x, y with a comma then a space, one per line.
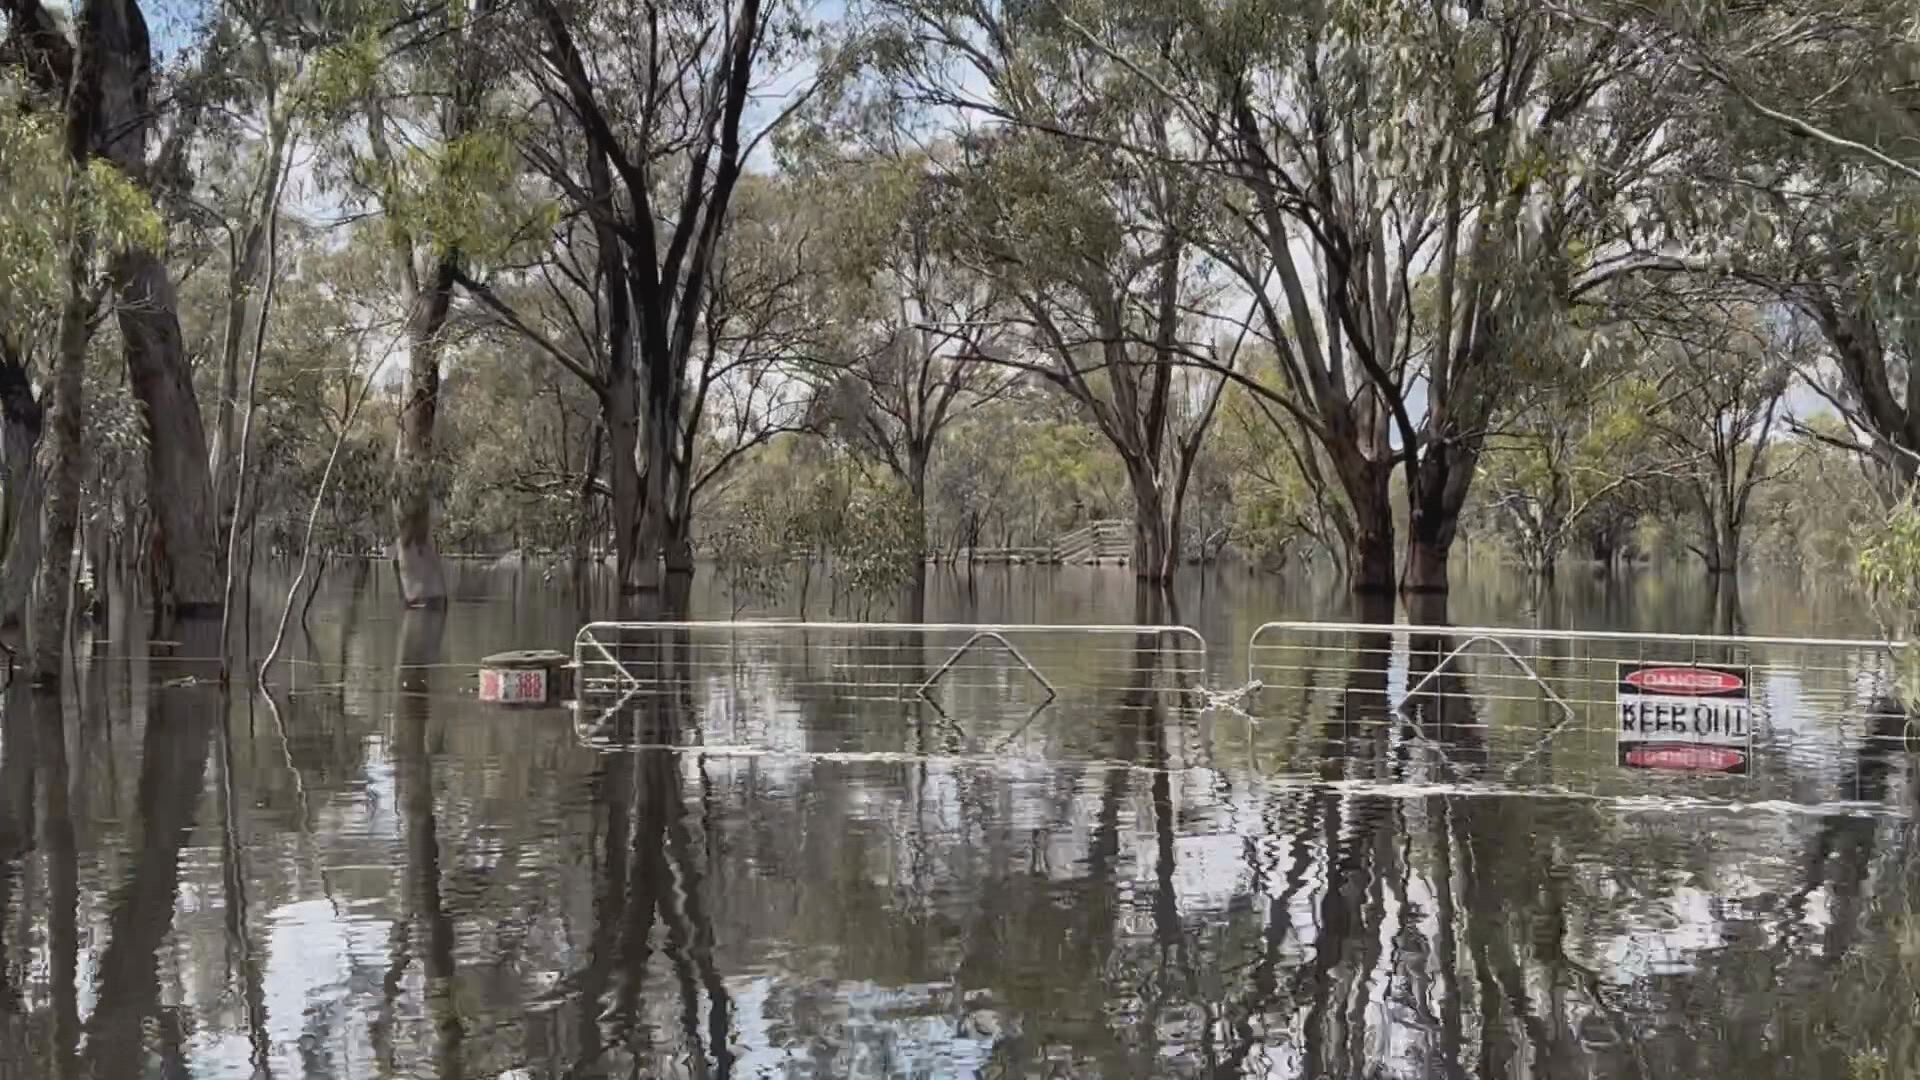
1693, 718
526, 677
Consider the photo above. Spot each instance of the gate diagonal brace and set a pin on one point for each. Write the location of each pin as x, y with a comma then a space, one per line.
1567, 714
925, 689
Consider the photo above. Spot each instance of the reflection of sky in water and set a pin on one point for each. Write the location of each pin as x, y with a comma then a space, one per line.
913, 914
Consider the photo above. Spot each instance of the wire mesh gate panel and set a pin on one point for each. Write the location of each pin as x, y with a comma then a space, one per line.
1541, 709
864, 689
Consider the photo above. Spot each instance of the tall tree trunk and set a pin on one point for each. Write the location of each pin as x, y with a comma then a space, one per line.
917, 454
1155, 548
657, 435
423, 581
1437, 491
1723, 547
676, 545
1726, 614
623, 475
21, 420
243, 284
226, 431
1370, 553
116, 90
60, 467
221, 455
188, 579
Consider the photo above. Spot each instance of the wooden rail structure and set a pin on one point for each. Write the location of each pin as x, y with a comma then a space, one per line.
1093, 544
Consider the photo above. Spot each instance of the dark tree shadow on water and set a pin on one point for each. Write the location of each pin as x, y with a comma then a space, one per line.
653, 871
19, 771
422, 632
174, 755
1441, 704
36, 815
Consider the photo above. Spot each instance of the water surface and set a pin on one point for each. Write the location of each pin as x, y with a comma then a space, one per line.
775, 860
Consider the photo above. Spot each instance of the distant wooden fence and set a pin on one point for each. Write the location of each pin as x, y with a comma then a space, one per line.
1094, 543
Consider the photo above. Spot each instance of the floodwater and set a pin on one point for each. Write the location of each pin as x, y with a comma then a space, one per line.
764, 853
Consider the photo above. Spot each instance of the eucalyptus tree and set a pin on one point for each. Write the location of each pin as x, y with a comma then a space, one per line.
1403, 194
102, 80
1577, 454
1429, 188
420, 138
1725, 370
646, 135
1802, 177
1076, 201
917, 324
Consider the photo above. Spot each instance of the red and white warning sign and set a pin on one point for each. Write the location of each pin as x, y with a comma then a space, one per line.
1692, 717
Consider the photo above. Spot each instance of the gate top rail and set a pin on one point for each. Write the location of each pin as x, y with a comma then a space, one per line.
589, 637
1500, 632
1187, 632
1572, 635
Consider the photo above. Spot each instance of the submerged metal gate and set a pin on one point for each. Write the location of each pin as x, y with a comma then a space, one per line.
1540, 710
747, 673
1546, 706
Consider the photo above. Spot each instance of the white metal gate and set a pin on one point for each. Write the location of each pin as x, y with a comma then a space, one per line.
855, 680
1543, 706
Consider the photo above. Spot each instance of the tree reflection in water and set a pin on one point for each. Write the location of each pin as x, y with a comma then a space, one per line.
414, 885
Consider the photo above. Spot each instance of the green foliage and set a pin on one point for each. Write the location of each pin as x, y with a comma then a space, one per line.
751, 555
1276, 507
1889, 563
35, 176
45, 205
876, 553
463, 194
343, 75
1868, 1065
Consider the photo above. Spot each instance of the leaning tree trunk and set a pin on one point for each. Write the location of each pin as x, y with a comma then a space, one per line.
423, 582
119, 118
20, 426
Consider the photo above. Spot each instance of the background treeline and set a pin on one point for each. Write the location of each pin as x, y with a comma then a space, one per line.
1335, 283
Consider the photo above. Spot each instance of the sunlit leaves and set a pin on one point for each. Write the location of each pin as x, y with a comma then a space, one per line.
462, 194
46, 205
343, 75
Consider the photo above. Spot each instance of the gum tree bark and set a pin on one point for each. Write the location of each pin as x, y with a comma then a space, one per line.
423, 581
60, 466
106, 85
428, 299
117, 84
187, 573
21, 422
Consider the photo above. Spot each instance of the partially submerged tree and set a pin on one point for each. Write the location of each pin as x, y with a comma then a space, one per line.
1426, 188
918, 326
1406, 195
1798, 173
1575, 454
421, 145
1726, 375
106, 83
1090, 237
647, 140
